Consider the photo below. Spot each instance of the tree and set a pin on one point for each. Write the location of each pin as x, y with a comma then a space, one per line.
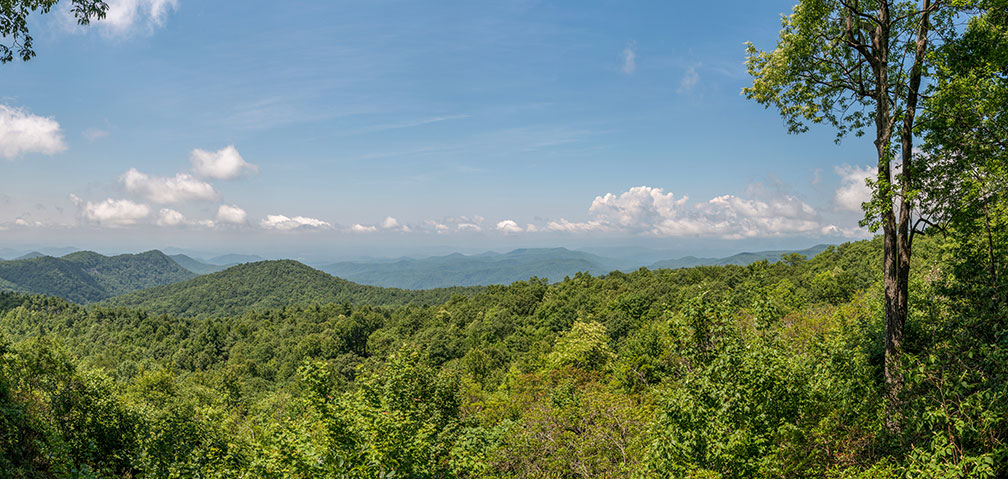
856, 64
965, 130
14, 23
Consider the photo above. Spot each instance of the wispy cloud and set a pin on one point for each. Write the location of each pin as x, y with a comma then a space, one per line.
92, 134
629, 58
404, 124
688, 81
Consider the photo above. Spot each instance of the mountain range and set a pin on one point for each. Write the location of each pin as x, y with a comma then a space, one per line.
504, 268
231, 283
87, 277
270, 284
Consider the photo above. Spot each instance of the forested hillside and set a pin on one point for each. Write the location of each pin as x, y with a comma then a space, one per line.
269, 284
85, 276
766, 370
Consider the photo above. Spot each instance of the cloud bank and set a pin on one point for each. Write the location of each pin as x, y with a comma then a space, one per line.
182, 187
283, 223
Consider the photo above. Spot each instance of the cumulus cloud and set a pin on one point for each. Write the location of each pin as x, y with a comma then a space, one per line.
181, 187
170, 217
393, 224
853, 188
125, 16
231, 214
223, 164
629, 58
359, 228
283, 223
509, 226
21, 132
651, 211
112, 212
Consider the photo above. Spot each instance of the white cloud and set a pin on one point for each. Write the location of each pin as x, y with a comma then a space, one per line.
629, 58
222, 164
853, 188
638, 208
113, 212
170, 217
688, 81
21, 132
359, 228
650, 211
231, 214
569, 227
390, 223
125, 16
469, 227
281, 222
182, 187
509, 226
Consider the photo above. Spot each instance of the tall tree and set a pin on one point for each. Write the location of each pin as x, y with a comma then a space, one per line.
14, 16
857, 64
965, 129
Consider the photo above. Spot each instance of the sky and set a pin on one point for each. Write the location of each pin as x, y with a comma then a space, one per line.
379, 128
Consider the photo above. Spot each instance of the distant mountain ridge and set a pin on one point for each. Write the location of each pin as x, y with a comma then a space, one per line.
86, 276
268, 285
475, 270
197, 266
504, 268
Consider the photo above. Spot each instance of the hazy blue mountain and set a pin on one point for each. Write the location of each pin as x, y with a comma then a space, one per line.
270, 284
59, 251
471, 270
233, 259
86, 276
741, 259
33, 254
497, 268
195, 265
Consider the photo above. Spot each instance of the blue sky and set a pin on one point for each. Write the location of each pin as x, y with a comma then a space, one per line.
382, 127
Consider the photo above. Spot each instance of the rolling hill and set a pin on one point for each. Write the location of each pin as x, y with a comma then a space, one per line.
269, 284
741, 259
86, 277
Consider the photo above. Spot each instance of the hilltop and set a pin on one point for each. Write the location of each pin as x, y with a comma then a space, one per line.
270, 284
86, 276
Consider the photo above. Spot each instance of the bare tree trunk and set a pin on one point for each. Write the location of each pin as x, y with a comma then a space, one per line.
897, 234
